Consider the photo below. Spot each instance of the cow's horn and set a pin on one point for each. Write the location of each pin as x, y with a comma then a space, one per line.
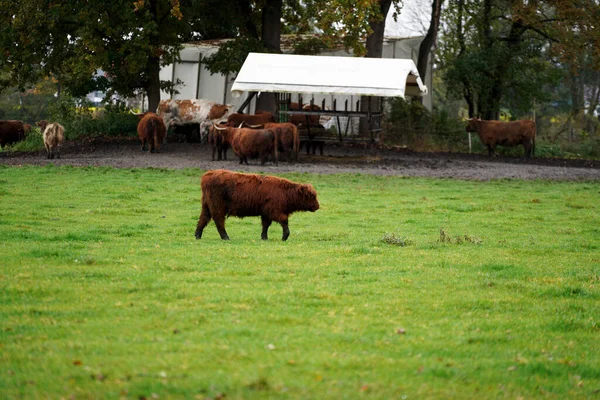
217, 128
241, 125
255, 126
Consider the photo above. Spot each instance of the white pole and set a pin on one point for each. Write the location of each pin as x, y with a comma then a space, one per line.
469, 142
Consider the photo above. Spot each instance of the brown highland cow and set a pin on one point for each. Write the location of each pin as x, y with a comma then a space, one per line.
226, 193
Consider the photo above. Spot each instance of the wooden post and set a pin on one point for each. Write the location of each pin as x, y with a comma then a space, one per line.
469, 142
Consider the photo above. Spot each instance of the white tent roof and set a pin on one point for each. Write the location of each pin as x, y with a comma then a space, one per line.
288, 73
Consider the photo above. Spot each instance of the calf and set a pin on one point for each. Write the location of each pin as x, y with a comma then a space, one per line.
226, 193
513, 133
151, 130
54, 135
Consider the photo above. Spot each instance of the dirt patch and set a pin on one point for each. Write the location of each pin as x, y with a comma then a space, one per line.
125, 153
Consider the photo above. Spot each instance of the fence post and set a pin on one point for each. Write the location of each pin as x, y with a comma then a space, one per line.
469, 142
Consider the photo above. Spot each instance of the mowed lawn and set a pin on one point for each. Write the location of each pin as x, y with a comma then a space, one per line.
395, 289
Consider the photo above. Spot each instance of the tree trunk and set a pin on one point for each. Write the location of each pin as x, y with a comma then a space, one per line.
374, 47
271, 38
153, 83
467, 90
430, 38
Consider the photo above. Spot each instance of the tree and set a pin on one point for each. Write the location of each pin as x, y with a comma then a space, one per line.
71, 40
495, 51
429, 39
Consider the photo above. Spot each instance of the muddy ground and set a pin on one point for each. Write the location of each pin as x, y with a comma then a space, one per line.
125, 153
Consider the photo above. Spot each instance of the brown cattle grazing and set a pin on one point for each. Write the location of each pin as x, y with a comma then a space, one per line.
151, 130
54, 135
251, 143
226, 193
237, 119
11, 131
288, 139
513, 133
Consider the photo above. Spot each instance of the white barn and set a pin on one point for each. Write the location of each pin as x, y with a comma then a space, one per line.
198, 83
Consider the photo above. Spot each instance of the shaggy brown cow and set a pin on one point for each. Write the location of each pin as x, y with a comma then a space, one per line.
513, 133
26, 129
42, 124
151, 129
226, 193
298, 119
11, 132
216, 141
251, 143
288, 139
54, 135
237, 119
255, 143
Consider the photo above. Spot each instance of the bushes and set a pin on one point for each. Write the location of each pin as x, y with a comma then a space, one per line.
82, 120
410, 124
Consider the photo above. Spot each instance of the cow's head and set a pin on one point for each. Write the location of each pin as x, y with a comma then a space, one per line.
308, 194
472, 124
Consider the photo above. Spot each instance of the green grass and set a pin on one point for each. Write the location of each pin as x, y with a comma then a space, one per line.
396, 288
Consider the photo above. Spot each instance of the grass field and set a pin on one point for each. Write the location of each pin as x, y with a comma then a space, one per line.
396, 288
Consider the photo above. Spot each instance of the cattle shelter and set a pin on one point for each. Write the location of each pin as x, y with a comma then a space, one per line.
326, 78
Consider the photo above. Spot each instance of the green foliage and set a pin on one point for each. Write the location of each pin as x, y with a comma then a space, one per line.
80, 119
231, 55
33, 142
106, 292
309, 46
410, 123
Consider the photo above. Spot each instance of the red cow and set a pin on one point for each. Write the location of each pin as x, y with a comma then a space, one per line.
226, 193
11, 131
250, 143
237, 119
217, 142
298, 119
288, 139
513, 133
151, 129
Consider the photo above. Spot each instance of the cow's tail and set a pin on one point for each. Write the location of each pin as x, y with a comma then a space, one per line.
275, 145
296, 137
533, 139
151, 134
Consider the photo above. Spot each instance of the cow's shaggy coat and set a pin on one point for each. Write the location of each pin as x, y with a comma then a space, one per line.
251, 143
513, 133
288, 139
226, 193
54, 135
217, 143
152, 131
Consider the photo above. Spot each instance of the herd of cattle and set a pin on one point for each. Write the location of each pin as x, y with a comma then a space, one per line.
53, 134
249, 135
